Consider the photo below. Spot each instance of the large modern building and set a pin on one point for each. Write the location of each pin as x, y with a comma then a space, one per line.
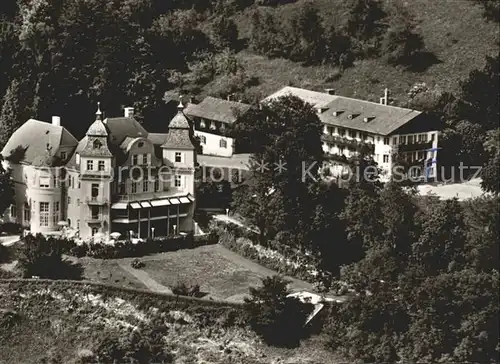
118, 178
212, 119
386, 131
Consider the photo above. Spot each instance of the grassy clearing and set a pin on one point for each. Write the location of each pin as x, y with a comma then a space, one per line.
455, 31
218, 277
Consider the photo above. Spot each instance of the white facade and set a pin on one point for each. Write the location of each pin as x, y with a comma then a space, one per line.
214, 144
413, 147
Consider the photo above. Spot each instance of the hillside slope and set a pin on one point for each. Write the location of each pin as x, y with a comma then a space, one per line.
455, 31
65, 320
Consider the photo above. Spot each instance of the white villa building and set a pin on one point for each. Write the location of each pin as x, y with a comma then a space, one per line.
212, 119
349, 124
117, 178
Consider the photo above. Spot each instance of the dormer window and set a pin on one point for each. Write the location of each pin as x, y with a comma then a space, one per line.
97, 144
213, 126
337, 113
44, 182
202, 123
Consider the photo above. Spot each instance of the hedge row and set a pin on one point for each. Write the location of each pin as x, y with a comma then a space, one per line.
279, 257
11, 228
127, 249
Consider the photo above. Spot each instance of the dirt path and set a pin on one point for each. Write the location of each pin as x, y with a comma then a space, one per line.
145, 279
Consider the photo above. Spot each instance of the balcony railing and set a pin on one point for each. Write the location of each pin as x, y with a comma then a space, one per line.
349, 143
414, 146
97, 201
94, 220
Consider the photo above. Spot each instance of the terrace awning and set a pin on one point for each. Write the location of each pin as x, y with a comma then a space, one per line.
155, 202
163, 202
119, 206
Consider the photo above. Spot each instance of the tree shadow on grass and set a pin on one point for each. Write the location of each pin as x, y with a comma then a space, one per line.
421, 61
69, 270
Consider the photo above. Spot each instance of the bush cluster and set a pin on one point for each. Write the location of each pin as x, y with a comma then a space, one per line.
276, 317
276, 256
11, 228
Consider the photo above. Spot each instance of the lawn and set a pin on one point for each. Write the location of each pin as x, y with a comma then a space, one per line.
218, 276
220, 273
107, 271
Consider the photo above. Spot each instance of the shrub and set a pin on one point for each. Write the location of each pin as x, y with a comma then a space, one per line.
183, 289
11, 228
277, 318
137, 264
42, 257
4, 253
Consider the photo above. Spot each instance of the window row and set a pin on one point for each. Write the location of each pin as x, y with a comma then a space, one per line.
101, 165
415, 138
141, 159
222, 142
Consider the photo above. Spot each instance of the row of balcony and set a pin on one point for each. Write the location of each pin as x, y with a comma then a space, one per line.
349, 143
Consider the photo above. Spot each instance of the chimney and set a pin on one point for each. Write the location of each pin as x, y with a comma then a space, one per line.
129, 112
330, 91
56, 120
383, 100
